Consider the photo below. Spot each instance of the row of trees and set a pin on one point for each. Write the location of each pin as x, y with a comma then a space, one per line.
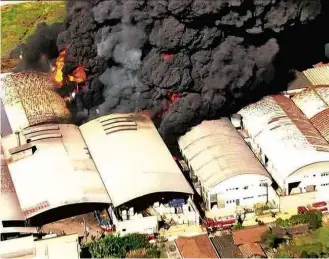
313, 219
116, 246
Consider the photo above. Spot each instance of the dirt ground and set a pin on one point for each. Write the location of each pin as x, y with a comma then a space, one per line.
75, 225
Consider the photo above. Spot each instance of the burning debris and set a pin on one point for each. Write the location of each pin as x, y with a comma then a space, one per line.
182, 60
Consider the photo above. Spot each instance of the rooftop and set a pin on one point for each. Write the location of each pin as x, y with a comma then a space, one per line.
216, 146
225, 246
29, 99
249, 235
196, 247
252, 250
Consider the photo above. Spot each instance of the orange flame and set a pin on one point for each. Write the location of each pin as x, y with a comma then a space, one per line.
173, 96
78, 75
167, 56
59, 65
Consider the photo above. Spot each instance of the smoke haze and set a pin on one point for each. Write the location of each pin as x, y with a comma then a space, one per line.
217, 54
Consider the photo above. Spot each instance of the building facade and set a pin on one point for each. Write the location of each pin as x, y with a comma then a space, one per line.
287, 143
222, 167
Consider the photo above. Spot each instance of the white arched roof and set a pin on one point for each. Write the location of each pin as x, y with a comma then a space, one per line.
131, 157
314, 103
216, 152
29, 99
53, 170
284, 134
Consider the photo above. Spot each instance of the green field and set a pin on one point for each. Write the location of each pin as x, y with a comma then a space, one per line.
18, 21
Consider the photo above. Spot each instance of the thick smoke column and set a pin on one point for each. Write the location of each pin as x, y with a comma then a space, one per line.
39, 48
220, 53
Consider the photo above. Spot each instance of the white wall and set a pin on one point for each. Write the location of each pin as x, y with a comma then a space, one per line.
316, 174
242, 187
146, 225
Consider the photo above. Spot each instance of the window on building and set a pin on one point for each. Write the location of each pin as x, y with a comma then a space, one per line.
265, 160
245, 198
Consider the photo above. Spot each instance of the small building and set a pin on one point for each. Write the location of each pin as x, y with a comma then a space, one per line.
222, 167
53, 173
47, 247
248, 240
287, 143
196, 247
144, 182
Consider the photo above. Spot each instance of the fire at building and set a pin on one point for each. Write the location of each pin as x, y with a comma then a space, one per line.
93, 102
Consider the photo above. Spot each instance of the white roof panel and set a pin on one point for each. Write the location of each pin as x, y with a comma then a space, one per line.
216, 152
131, 157
60, 171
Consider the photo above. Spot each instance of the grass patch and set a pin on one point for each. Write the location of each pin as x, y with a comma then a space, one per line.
18, 21
316, 242
320, 235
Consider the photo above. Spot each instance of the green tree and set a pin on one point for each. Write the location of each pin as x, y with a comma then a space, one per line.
116, 246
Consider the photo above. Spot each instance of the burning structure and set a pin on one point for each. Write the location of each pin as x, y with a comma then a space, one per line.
30, 98
214, 55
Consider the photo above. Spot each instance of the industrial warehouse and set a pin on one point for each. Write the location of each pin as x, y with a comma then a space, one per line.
274, 152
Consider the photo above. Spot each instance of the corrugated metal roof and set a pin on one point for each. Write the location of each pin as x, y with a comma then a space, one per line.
60, 172
318, 75
284, 134
131, 157
314, 103
216, 152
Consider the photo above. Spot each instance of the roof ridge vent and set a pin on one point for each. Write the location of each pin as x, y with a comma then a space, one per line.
22, 151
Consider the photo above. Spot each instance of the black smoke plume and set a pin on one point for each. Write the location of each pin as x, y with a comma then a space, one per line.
217, 54
39, 48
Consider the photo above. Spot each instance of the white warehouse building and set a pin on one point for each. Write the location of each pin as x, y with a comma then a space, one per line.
53, 173
290, 147
222, 166
139, 173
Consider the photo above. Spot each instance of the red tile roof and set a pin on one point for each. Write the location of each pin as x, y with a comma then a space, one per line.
250, 235
196, 247
251, 250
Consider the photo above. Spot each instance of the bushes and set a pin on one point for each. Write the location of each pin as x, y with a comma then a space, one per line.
271, 240
313, 219
238, 226
118, 247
